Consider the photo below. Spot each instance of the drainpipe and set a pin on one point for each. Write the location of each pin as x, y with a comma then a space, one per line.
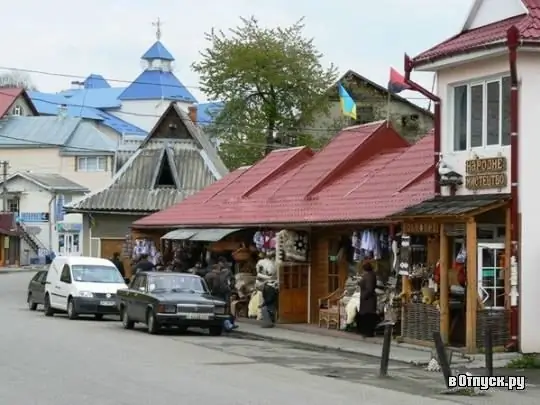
513, 38
51, 223
436, 118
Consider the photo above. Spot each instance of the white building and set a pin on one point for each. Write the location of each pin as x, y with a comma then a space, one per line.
39, 199
474, 86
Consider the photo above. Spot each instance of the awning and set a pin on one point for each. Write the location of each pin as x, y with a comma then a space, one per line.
180, 234
453, 206
212, 235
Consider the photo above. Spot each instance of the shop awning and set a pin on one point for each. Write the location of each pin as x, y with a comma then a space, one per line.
212, 235
180, 234
452, 206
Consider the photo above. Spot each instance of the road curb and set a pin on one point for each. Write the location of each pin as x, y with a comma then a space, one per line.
324, 347
18, 271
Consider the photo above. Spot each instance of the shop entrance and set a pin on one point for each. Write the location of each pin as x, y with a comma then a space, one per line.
491, 274
293, 294
69, 244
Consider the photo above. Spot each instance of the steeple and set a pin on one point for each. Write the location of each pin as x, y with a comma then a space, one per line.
157, 57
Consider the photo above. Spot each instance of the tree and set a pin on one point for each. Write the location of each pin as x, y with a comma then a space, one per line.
270, 80
16, 78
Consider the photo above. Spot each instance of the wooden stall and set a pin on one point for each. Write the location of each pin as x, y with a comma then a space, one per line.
468, 258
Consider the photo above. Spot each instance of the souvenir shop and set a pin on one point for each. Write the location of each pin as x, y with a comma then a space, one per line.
337, 268
454, 271
258, 259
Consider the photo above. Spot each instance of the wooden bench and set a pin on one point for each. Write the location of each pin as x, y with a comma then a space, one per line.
330, 310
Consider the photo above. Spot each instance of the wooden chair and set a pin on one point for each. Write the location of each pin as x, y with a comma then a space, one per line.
330, 310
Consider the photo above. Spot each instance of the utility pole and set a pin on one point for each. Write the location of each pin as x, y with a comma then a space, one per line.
5, 165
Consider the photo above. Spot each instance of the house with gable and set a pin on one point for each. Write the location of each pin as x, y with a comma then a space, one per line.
487, 87
16, 102
175, 161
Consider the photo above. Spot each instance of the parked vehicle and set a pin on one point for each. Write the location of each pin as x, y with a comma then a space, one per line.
36, 290
160, 299
82, 286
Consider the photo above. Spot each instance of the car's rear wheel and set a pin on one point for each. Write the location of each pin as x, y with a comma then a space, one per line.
48, 310
98, 317
72, 314
126, 322
151, 322
32, 306
215, 330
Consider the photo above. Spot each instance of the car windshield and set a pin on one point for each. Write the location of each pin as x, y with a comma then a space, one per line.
177, 282
96, 274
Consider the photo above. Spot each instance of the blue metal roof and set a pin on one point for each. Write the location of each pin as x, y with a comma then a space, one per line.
157, 85
158, 51
70, 134
206, 112
48, 104
121, 126
96, 82
97, 98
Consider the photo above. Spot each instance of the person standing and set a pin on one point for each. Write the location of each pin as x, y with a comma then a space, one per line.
118, 263
269, 304
367, 318
219, 283
143, 264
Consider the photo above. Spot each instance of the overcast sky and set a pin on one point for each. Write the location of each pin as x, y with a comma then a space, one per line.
108, 37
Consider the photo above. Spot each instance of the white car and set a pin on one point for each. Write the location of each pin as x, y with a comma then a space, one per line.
82, 286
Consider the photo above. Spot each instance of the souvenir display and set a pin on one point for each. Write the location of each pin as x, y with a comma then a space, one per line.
292, 246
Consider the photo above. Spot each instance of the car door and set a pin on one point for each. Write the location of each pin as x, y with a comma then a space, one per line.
63, 288
39, 288
139, 298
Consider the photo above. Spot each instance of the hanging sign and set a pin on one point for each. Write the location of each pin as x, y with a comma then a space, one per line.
484, 174
415, 228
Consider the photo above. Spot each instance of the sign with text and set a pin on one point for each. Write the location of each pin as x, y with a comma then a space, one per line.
487, 173
412, 228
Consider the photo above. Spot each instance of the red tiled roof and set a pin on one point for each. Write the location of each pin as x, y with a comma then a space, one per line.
8, 97
365, 174
489, 35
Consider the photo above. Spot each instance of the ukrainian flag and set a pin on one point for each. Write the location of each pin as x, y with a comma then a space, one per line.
348, 105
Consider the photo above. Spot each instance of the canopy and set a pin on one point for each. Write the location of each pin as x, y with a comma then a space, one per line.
199, 235
180, 234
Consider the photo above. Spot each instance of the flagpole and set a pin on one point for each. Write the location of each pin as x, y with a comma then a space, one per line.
389, 102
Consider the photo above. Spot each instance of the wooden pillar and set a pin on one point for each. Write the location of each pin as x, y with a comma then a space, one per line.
507, 256
444, 285
472, 285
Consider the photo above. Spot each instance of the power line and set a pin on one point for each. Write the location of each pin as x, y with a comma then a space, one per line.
74, 76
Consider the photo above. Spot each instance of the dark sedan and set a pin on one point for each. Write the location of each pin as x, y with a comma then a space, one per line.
36, 290
170, 299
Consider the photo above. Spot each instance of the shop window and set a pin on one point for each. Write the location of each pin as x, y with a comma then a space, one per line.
491, 275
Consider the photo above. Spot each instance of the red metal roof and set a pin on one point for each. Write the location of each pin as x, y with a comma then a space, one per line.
364, 174
490, 35
8, 97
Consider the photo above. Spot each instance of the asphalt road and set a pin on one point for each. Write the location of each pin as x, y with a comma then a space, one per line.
55, 361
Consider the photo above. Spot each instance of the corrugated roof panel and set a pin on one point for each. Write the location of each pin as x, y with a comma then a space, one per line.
96, 82
102, 98
158, 51
180, 234
212, 235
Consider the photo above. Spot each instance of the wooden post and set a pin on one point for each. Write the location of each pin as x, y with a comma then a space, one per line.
472, 285
444, 286
507, 256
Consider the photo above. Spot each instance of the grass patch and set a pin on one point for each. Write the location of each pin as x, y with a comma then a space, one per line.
527, 361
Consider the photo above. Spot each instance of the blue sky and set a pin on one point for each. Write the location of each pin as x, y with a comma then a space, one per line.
108, 37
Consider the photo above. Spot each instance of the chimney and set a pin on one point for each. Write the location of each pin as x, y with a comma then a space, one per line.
77, 85
192, 112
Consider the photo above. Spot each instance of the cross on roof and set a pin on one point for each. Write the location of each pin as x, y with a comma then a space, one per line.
158, 23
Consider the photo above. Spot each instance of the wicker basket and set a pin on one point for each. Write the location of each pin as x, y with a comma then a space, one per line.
420, 321
498, 321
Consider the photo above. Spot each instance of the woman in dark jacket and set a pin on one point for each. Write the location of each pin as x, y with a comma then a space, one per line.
367, 318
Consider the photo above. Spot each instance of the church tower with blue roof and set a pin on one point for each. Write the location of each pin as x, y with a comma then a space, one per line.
154, 88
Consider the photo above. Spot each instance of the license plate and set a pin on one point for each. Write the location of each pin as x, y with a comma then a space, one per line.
198, 316
107, 303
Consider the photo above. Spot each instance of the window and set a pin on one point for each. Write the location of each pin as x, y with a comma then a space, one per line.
17, 110
13, 205
333, 266
482, 114
139, 282
91, 163
65, 277
491, 274
365, 115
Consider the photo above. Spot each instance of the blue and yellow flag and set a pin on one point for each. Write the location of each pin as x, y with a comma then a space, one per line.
348, 105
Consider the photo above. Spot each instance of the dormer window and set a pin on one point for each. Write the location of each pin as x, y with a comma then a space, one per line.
17, 111
481, 114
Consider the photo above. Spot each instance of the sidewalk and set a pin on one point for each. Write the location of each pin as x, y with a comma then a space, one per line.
402, 352
23, 269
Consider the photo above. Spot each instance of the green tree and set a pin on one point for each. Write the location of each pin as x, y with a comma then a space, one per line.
270, 80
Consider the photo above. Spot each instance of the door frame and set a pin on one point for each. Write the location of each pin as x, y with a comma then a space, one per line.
486, 245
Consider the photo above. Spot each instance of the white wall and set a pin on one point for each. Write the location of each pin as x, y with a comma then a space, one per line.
144, 113
491, 11
446, 80
529, 169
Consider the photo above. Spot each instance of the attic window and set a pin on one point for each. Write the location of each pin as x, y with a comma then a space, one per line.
165, 176
17, 110
365, 115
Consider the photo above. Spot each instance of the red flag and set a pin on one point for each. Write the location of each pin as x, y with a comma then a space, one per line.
397, 84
